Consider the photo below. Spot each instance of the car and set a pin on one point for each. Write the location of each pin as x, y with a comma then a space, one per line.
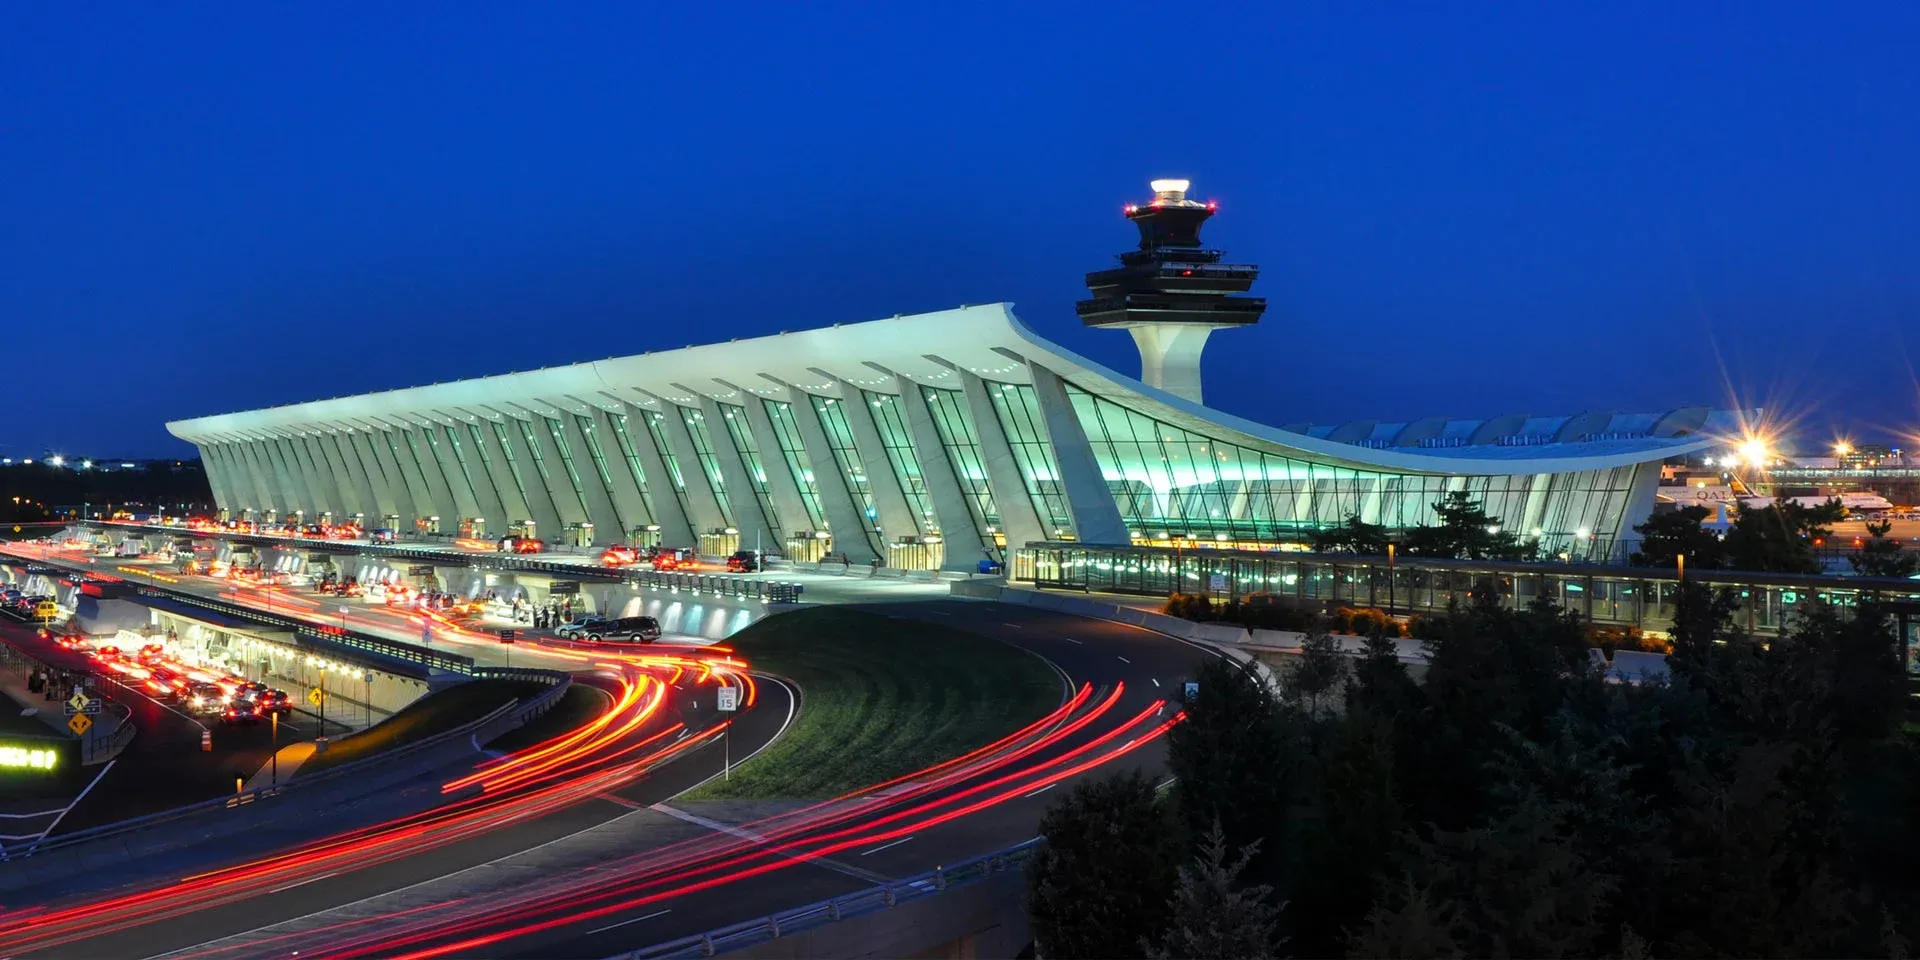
630, 629
10, 596
249, 690
672, 558
619, 555
522, 545
163, 684
240, 712
313, 531
206, 699
274, 702
743, 561
380, 535
578, 627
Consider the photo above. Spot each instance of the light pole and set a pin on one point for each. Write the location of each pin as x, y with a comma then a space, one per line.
1390, 579
276, 747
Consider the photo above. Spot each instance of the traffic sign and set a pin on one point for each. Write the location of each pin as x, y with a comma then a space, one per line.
80, 724
316, 695
1191, 692
729, 699
78, 701
92, 708
507, 636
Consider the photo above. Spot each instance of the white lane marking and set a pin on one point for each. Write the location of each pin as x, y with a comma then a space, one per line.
1012, 626
1071, 640
884, 846
1042, 790
623, 923
303, 883
1125, 660
1156, 681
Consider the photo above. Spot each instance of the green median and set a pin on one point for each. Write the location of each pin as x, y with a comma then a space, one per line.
881, 697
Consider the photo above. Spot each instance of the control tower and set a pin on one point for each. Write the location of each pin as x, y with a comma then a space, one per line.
1171, 293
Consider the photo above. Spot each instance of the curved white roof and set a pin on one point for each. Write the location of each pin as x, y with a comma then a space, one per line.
992, 343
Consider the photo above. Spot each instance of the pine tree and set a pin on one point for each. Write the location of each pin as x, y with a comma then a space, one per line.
1235, 757
1882, 556
1099, 886
1316, 673
1213, 914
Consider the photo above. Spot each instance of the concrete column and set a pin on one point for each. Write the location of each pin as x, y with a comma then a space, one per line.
422, 456
1021, 522
705, 508
374, 443
318, 484
272, 487
897, 518
846, 516
374, 501
293, 482
1096, 517
966, 545
609, 525
461, 461
311, 502
543, 511
781, 485
336, 489
489, 460
259, 478
346, 487
752, 522
676, 528
629, 500
218, 476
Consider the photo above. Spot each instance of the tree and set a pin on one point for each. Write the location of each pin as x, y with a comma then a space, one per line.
1213, 915
1353, 535
1678, 533
1099, 886
1358, 833
1779, 538
1467, 532
1317, 672
1235, 757
1882, 556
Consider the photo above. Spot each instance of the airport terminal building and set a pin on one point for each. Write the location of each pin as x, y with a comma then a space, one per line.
928, 441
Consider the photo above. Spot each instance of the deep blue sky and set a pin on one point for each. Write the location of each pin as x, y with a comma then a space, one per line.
1464, 210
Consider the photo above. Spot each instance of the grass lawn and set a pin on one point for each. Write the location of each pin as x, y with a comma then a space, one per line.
577, 707
434, 713
879, 698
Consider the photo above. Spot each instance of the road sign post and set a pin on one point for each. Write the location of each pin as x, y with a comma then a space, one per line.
80, 723
728, 703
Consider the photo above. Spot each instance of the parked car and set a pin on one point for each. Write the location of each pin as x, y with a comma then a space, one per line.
629, 629
578, 627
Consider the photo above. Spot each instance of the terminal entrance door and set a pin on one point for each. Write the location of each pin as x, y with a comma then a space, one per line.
523, 528
719, 543
645, 537
473, 528
809, 546
579, 534
428, 525
917, 553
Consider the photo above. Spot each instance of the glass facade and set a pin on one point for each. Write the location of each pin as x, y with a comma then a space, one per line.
414, 497
891, 422
1019, 412
532, 440
513, 466
833, 421
466, 469
599, 457
657, 427
787, 432
955, 426
1168, 480
742, 435
486, 466
709, 464
558, 431
433, 447
632, 456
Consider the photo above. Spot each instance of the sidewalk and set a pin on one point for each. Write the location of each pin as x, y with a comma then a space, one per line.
292, 756
52, 713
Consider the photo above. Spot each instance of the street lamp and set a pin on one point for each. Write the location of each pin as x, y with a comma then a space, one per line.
1390, 579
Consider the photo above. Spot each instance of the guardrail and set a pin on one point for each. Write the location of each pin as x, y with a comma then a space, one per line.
502, 719
871, 900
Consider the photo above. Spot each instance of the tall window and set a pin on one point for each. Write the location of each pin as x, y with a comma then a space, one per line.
891, 422
532, 441
433, 445
558, 431
657, 426
632, 456
466, 470
738, 429
486, 465
393, 448
709, 463
513, 465
377, 469
955, 426
787, 433
833, 421
1019, 412
586, 425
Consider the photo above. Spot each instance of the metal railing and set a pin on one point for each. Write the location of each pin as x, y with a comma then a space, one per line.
330, 638
513, 710
871, 900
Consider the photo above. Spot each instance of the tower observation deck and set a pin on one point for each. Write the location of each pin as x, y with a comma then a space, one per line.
1171, 293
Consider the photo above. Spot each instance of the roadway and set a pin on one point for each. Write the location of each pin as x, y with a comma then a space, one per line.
516, 882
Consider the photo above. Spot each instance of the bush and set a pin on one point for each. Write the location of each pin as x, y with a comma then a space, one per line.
1610, 639
1364, 622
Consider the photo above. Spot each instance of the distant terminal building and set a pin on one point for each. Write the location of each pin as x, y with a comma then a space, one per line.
932, 441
